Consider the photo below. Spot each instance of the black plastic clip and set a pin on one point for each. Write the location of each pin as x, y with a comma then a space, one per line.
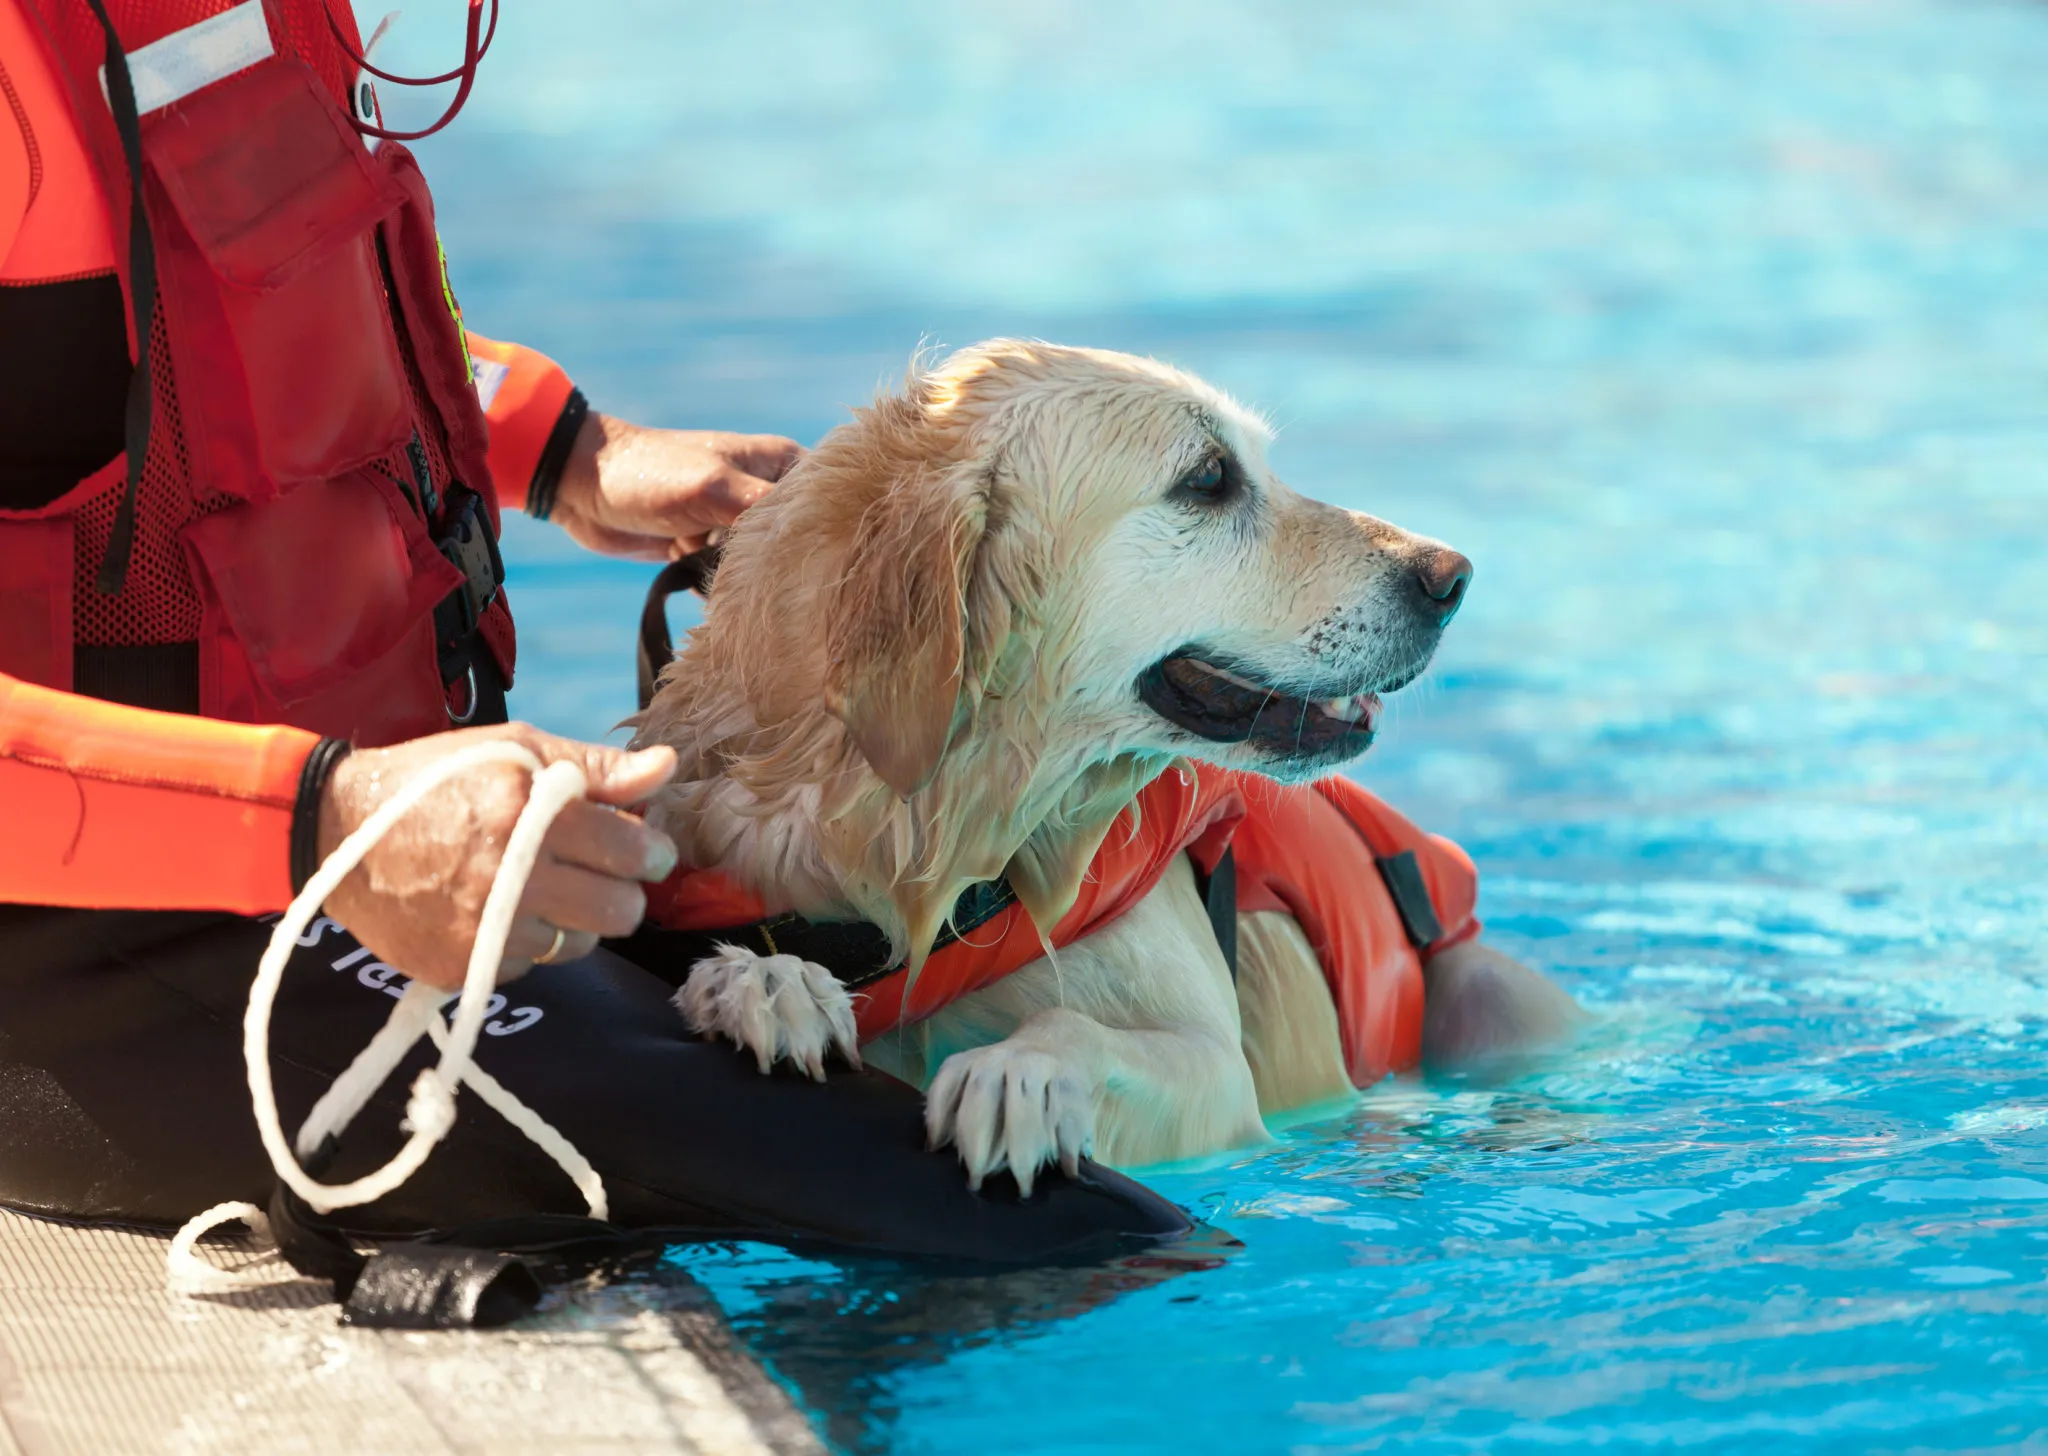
472, 550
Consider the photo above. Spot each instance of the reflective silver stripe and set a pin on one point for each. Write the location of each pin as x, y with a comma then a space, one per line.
174, 67
490, 378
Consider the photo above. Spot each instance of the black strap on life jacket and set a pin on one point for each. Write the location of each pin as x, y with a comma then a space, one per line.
1219, 897
113, 574
855, 951
858, 952
1403, 876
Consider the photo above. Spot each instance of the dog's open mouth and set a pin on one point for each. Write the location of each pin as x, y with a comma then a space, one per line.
1224, 705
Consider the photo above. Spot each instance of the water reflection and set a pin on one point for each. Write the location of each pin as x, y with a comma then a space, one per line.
845, 1331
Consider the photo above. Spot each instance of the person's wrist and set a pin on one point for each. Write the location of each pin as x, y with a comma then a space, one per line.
561, 454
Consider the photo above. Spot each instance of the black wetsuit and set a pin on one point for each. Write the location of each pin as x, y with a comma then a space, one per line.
123, 1097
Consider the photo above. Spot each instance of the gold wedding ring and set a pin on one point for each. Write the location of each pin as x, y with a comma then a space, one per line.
553, 950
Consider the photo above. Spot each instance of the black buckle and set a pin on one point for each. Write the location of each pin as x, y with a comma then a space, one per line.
473, 550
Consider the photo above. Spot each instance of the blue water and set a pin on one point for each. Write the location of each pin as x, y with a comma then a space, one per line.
1717, 335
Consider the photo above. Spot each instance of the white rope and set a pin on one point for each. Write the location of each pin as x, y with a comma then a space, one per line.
538, 1130
430, 1112
187, 1273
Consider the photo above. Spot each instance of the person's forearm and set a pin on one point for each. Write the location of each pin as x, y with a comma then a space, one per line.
615, 487
105, 806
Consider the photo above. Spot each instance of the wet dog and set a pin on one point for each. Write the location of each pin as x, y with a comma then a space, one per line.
953, 644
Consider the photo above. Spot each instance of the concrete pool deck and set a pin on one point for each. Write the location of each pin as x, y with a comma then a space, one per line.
98, 1359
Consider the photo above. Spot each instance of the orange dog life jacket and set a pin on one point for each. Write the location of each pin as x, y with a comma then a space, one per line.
1374, 894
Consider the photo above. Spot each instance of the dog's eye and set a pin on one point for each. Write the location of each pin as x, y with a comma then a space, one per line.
1208, 483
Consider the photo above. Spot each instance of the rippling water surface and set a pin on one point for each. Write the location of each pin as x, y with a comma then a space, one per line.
1714, 333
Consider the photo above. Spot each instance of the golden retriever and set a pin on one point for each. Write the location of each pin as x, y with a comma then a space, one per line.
952, 645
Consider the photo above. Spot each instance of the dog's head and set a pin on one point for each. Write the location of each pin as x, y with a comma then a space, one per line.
1011, 595
1085, 553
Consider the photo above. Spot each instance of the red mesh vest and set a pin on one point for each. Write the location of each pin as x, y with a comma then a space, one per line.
309, 374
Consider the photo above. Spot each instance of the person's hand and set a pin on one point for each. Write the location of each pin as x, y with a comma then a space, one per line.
416, 898
655, 495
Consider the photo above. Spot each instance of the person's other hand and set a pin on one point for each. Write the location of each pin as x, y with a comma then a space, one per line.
655, 495
416, 898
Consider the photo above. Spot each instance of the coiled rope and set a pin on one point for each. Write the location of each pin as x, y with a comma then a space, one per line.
430, 1111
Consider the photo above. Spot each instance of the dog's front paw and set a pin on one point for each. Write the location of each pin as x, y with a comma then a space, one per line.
1010, 1107
777, 1007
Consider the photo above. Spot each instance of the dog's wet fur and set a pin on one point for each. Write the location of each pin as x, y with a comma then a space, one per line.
954, 643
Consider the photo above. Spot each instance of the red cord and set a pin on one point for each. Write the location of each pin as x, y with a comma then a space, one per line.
476, 44
364, 61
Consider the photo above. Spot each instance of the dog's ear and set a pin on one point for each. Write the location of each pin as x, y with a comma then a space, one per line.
897, 673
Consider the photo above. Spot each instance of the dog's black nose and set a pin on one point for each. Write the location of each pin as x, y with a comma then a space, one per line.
1442, 577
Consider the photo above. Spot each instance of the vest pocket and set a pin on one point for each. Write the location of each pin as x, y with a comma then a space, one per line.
307, 592
269, 257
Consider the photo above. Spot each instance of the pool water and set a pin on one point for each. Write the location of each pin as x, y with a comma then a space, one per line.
1716, 333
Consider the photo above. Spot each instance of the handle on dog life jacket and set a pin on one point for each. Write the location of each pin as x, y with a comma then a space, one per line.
688, 573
